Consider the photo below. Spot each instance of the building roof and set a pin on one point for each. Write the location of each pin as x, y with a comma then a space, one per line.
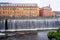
18, 4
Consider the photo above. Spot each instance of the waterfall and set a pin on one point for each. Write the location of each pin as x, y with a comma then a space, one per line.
2, 24
32, 23
29, 23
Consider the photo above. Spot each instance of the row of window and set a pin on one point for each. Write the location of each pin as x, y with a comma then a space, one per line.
16, 12
18, 8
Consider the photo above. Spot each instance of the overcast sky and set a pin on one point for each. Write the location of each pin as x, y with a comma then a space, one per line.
55, 4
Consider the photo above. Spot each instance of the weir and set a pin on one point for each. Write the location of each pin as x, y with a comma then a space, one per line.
10, 27
21, 24
2, 24
32, 23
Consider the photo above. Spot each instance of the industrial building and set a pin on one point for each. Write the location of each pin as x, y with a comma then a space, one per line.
19, 10
45, 11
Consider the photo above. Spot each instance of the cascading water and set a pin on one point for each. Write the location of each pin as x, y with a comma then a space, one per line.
29, 23
2, 24
32, 23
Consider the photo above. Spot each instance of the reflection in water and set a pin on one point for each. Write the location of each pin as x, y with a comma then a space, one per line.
42, 35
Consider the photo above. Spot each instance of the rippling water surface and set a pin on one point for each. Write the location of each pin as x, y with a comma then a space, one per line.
41, 35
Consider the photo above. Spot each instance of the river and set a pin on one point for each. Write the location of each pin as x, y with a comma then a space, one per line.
29, 24
41, 35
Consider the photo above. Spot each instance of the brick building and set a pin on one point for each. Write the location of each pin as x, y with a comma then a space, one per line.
18, 9
45, 12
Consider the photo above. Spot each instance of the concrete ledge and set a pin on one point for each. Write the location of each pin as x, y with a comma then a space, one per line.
46, 28
23, 31
14, 30
1, 34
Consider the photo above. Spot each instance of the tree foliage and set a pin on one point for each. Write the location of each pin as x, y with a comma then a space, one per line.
55, 35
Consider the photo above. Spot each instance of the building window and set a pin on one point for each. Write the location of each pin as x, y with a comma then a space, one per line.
20, 8
10, 8
30, 8
1, 8
14, 8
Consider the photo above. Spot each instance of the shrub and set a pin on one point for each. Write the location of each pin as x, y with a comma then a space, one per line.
55, 35
58, 30
50, 35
